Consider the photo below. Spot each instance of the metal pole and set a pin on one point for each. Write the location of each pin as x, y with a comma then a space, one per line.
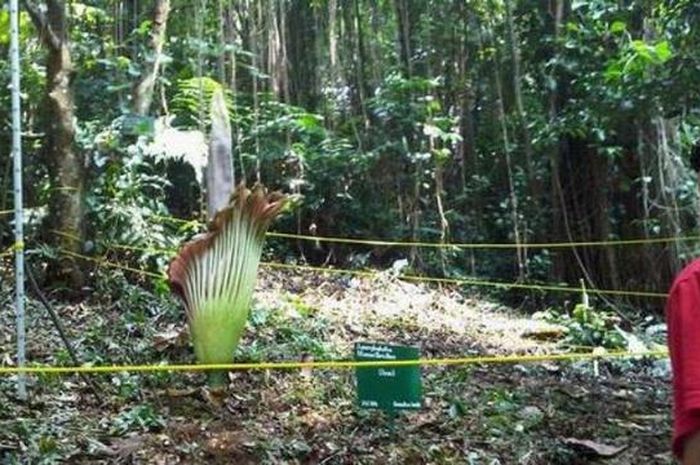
17, 178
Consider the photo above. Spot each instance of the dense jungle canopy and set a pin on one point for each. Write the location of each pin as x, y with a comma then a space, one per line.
443, 121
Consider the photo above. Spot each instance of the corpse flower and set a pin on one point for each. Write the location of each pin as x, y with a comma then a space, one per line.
215, 274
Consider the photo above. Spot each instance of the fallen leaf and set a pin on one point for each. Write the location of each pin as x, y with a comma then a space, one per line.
172, 337
214, 396
544, 331
575, 392
314, 421
630, 425
172, 392
125, 448
592, 447
231, 445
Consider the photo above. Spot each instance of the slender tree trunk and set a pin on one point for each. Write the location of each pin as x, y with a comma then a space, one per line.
332, 81
519, 106
439, 194
670, 169
284, 61
272, 42
142, 92
376, 24
232, 19
465, 97
332, 35
301, 37
515, 213
644, 175
255, 36
555, 203
278, 54
65, 164
362, 84
416, 210
520, 252
221, 59
404, 26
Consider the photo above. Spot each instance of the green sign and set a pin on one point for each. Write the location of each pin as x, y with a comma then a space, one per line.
388, 388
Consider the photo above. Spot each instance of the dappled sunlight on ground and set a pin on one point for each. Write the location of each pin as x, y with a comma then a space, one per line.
530, 414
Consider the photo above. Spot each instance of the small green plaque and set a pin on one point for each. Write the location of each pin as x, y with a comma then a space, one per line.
388, 388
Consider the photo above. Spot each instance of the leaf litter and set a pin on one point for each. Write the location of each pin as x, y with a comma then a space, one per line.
484, 414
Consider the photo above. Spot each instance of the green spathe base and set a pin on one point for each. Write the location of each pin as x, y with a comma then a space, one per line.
216, 332
217, 378
217, 329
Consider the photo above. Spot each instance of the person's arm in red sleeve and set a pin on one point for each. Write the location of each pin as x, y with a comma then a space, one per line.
683, 313
691, 449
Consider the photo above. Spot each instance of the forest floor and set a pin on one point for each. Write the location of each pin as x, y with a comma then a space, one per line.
544, 413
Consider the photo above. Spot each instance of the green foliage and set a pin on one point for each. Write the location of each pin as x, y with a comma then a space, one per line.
140, 418
126, 205
192, 100
383, 125
128, 386
292, 329
24, 26
588, 327
638, 58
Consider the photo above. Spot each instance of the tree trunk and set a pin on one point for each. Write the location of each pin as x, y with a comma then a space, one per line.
556, 196
362, 84
142, 92
65, 164
254, 39
221, 59
404, 39
303, 61
585, 211
520, 252
465, 97
525, 138
332, 36
232, 20
670, 173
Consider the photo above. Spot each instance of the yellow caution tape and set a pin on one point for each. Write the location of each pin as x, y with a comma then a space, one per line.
471, 282
509, 245
369, 274
334, 364
176, 220
101, 261
539, 245
119, 246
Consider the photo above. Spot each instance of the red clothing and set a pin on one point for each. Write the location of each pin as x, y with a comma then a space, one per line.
683, 317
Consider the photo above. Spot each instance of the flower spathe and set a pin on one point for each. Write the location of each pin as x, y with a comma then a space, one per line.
215, 273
